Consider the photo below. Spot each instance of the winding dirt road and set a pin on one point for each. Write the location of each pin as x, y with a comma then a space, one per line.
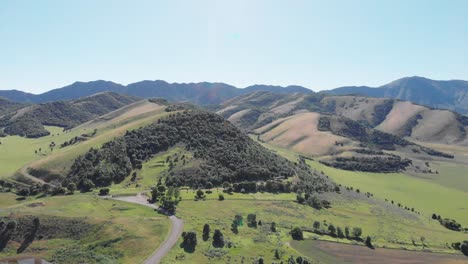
171, 240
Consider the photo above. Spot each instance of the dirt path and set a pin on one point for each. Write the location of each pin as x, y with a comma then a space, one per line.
25, 173
171, 240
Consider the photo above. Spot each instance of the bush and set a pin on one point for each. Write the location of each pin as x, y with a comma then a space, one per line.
357, 232
104, 191
218, 239
190, 241
221, 197
296, 233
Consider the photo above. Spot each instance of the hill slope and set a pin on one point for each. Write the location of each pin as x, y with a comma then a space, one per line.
29, 121
438, 94
220, 153
7, 106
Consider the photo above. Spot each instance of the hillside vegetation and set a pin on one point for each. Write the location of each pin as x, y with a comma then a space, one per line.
30, 121
221, 153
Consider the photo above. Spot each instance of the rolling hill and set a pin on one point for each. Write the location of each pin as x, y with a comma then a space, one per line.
203, 93
437, 94
30, 121
7, 106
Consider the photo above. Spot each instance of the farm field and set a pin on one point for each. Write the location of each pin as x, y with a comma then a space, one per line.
120, 232
338, 253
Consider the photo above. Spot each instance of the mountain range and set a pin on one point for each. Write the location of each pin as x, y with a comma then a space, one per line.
203, 93
436, 94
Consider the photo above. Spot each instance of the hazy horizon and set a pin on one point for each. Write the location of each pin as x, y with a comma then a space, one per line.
318, 45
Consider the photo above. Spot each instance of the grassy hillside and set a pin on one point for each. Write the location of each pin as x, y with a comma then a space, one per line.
84, 228
29, 121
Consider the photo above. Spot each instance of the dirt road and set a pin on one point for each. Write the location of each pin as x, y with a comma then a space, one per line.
171, 240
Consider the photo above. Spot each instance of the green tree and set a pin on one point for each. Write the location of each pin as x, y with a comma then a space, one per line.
273, 227
346, 230
339, 232
206, 232
316, 225
369, 242
277, 254
296, 233
218, 239
332, 230
71, 187
221, 197
190, 241
357, 232
252, 220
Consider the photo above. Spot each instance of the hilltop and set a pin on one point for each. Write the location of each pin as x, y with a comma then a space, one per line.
437, 94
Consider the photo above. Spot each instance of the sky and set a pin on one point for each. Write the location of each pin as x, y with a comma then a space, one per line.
316, 44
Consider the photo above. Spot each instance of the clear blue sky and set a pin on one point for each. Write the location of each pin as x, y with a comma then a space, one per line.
317, 44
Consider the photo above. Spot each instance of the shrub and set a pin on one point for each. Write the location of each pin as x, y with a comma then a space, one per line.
296, 233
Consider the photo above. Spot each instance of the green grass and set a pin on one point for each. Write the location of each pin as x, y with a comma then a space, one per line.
388, 226
126, 232
424, 196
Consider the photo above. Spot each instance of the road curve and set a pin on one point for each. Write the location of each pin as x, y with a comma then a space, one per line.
171, 240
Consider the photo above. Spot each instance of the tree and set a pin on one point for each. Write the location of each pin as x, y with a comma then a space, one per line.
190, 241
273, 227
260, 261
200, 194
46, 187
169, 205
277, 254
71, 187
299, 198
296, 233
346, 230
87, 185
339, 232
357, 232
226, 185
221, 197
332, 230
218, 239
209, 185
206, 232
316, 225
464, 248
252, 220
369, 242
104, 191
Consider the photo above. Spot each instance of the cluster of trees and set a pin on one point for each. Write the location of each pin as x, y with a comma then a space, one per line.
312, 200
168, 197
462, 246
190, 242
226, 154
448, 223
383, 163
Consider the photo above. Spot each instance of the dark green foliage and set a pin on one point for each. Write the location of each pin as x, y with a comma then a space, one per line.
296, 233
227, 154
316, 225
221, 197
346, 230
450, 224
277, 254
252, 220
369, 242
386, 163
190, 241
66, 114
332, 230
381, 111
273, 227
28, 239
464, 248
104, 191
206, 232
357, 232
339, 232
218, 239
6, 233
260, 260
71, 187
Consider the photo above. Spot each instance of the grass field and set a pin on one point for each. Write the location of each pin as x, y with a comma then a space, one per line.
425, 196
122, 233
388, 225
